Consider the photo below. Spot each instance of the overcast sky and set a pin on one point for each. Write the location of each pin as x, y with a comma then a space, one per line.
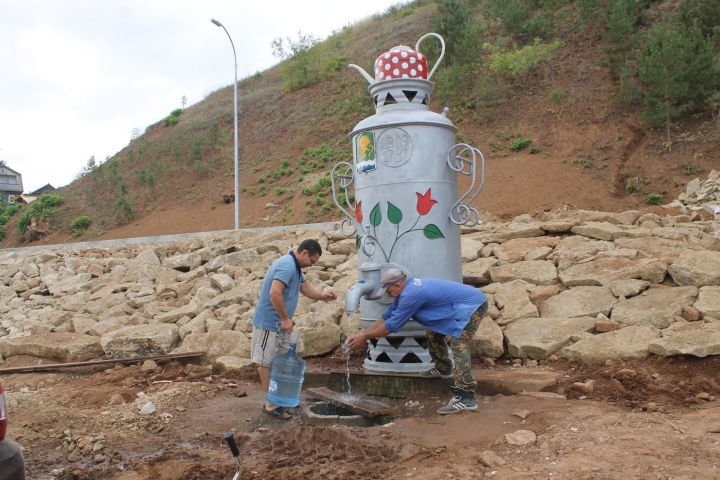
77, 76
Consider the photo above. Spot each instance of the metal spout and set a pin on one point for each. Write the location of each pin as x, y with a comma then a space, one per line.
365, 75
361, 289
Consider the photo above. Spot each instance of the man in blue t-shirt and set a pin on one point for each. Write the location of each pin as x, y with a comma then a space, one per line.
272, 321
448, 310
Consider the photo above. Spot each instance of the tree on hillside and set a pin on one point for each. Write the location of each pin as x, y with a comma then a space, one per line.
677, 72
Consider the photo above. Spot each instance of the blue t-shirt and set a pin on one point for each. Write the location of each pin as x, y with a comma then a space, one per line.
287, 270
439, 305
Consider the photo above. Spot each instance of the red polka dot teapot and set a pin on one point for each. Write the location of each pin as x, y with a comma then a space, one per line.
403, 62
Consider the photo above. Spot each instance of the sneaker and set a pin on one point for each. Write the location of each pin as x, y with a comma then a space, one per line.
435, 373
463, 400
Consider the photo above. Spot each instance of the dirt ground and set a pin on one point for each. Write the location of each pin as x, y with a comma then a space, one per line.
655, 419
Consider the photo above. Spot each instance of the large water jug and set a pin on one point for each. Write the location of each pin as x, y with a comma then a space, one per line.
287, 373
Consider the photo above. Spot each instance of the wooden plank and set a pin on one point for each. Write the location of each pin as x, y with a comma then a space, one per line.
356, 403
56, 366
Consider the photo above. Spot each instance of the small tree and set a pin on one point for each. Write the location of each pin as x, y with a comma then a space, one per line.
677, 72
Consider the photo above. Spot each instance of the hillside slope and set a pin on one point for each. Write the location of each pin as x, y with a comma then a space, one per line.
590, 151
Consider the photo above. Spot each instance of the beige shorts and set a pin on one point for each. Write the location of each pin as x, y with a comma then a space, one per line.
266, 345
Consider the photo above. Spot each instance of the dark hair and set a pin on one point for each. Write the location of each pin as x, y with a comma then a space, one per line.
312, 247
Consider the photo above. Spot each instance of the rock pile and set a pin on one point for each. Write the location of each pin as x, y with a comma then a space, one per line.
699, 195
583, 285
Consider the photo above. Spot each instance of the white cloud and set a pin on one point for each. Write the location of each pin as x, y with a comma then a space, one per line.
80, 75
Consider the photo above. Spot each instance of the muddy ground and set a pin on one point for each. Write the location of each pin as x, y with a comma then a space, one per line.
655, 419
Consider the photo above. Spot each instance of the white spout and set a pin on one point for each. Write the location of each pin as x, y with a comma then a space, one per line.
361, 289
365, 75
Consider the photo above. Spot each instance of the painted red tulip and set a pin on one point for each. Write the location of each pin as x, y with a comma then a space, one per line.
424, 202
358, 211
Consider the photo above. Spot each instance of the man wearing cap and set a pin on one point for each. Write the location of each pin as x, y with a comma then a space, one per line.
446, 309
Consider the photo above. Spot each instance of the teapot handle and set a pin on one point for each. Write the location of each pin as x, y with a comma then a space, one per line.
442, 50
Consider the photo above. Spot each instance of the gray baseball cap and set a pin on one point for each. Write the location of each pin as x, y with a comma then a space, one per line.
390, 277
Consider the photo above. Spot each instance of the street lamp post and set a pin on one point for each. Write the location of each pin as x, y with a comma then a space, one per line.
235, 125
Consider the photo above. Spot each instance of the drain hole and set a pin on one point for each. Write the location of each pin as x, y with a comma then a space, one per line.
330, 409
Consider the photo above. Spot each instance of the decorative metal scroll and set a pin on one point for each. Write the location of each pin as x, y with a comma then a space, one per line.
462, 158
344, 179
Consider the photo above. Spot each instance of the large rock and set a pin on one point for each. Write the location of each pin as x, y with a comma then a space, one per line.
508, 232
708, 302
655, 247
697, 339
143, 268
81, 281
600, 230
579, 302
62, 347
516, 249
479, 268
538, 272
603, 271
573, 249
657, 307
140, 340
488, 339
698, 268
538, 338
216, 344
513, 301
318, 336
469, 248
189, 310
630, 343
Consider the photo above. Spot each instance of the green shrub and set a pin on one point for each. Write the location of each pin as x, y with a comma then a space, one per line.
557, 96
280, 191
173, 118
520, 144
653, 199
534, 150
80, 225
262, 191
521, 61
3, 234
42, 209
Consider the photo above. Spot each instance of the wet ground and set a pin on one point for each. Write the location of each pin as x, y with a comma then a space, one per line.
657, 419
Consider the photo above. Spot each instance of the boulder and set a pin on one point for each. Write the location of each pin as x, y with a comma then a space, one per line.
629, 343
488, 339
698, 268
140, 340
516, 249
657, 307
579, 302
61, 347
603, 271
600, 230
708, 302
696, 339
513, 300
538, 272
479, 268
538, 338
217, 344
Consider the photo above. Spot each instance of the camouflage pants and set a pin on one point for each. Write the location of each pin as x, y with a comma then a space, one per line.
460, 348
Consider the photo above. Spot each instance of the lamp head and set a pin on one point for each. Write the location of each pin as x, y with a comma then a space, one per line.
216, 22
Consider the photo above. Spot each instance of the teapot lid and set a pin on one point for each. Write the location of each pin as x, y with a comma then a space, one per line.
401, 62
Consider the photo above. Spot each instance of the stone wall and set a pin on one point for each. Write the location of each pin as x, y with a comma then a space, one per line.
582, 285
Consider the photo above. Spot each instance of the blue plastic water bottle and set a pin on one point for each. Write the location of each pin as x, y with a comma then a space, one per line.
287, 373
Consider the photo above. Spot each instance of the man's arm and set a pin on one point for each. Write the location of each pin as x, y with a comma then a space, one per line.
316, 294
278, 303
376, 330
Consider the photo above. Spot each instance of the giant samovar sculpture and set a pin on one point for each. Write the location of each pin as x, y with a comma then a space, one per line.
399, 197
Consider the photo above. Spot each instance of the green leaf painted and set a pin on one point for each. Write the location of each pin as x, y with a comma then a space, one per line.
394, 214
376, 215
432, 231
358, 238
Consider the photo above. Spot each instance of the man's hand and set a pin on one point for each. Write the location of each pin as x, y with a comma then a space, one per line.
287, 325
328, 296
358, 340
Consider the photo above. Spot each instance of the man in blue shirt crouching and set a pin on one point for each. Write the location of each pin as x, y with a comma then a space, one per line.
448, 310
